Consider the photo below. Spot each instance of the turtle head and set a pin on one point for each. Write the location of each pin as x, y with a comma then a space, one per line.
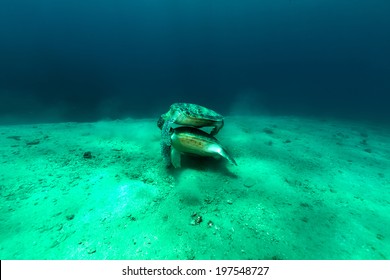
160, 122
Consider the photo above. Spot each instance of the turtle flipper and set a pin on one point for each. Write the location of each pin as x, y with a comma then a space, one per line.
218, 149
166, 142
165, 133
217, 128
166, 153
226, 155
175, 158
166, 129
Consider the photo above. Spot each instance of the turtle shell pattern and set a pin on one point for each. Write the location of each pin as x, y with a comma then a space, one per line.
196, 111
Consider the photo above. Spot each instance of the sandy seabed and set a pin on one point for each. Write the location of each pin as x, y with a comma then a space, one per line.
303, 189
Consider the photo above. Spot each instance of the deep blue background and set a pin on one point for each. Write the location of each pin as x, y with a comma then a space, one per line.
90, 59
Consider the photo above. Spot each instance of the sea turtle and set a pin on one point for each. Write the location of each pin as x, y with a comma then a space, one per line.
188, 114
193, 141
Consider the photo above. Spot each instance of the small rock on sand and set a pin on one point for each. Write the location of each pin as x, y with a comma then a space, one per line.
249, 182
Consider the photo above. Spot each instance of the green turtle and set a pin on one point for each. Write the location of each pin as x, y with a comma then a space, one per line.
188, 114
195, 142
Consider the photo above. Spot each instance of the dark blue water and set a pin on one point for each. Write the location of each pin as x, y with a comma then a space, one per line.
92, 59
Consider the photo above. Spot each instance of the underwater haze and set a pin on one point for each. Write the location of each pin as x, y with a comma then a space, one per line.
86, 60
288, 158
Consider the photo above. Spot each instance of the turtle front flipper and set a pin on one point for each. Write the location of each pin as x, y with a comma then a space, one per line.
166, 153
175, 158
165, 143
166, 128
165, 133
217, 128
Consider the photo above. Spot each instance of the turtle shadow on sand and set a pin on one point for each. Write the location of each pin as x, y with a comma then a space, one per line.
204, 164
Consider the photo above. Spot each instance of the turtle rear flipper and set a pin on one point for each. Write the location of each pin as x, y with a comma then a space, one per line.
175, 158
